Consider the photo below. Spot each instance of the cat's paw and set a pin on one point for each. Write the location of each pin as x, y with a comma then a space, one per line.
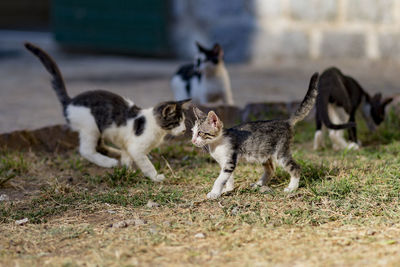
227, 189
259, 183
109, 163
158, 178
126, 161
213, 195
353, 146
289, 189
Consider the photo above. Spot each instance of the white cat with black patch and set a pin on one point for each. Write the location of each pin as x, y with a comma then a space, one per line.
101, 115
339, 97
206, 81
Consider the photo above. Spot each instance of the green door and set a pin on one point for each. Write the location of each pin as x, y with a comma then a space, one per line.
128, 26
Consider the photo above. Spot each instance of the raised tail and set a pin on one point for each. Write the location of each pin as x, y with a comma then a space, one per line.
50, 65
308, 101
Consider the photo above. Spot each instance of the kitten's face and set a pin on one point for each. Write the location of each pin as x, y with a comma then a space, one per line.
378, 108
207, 128
208, 59
170, 116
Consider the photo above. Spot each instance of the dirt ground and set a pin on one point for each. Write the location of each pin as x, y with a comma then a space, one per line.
28, 102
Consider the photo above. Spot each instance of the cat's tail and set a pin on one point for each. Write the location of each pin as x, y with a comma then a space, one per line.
322, 113
308, 101
50, 65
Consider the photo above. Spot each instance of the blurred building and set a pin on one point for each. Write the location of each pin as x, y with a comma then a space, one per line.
259, 30
249, 30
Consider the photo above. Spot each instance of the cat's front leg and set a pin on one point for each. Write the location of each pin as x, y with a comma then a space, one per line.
219, 185
126, 159
229, 186
145, 165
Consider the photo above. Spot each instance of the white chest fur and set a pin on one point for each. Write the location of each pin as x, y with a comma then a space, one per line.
337, 114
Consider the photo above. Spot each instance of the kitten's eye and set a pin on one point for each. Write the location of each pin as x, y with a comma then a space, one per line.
200, 133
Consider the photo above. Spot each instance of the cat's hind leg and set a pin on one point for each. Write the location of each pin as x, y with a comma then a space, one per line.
288, 163
319, 135
338, 141
269, 170
87, 148
124, 156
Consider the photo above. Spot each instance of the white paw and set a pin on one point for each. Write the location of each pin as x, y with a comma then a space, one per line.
289, 189
213, 195
259, 183
109, 163
336, 147
126, 161
158, 178
227, 189
353, 146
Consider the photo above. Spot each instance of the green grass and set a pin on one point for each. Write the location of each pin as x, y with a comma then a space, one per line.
11, 165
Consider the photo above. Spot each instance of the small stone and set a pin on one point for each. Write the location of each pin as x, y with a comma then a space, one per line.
371, 232
265, 189
235, 210
111, 211
167, 223
22, 221
152, 204
140, 222
4, 197
199, 235
121, 224
153, 229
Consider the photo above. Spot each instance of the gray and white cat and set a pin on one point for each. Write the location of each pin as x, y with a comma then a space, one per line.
101, 115
206, 81
267, 142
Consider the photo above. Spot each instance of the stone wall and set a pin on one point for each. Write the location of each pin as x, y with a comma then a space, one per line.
262, 30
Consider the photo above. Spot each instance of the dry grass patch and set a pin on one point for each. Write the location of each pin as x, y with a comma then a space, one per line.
346, 211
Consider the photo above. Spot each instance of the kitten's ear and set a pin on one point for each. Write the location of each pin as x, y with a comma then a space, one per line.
214, 120
198, 113
217, 49
168, 110
201, 48
387, 101
185, 104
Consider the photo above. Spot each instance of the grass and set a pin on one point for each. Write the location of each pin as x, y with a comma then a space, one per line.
345, 212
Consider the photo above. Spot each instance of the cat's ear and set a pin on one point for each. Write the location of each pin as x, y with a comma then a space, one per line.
198, 113
168, 110
217, 50
201, 48
386, 101
185, 104
214, 120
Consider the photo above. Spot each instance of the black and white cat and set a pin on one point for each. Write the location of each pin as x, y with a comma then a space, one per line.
205, 81
339, 97
101, 115
267, 142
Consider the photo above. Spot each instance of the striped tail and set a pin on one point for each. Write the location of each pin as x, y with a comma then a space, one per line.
308, 101
50, 65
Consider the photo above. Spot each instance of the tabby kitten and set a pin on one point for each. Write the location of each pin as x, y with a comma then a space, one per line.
101, 115
339, 97
266, 142
206, 81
